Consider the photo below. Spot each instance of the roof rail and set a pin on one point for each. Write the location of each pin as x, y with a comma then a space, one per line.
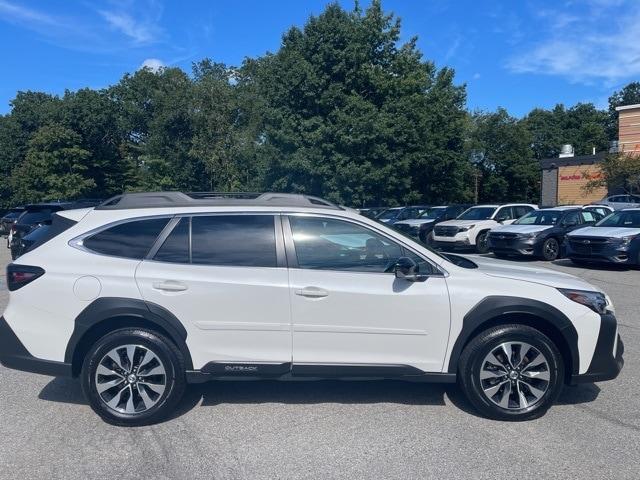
204, 199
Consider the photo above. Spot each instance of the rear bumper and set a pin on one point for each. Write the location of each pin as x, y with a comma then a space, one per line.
14, 355
607, 361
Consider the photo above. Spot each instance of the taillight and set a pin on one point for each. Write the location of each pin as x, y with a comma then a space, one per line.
20, 275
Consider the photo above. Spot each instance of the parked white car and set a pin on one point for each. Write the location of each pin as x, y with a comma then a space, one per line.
471, 228
148, 292
619, 202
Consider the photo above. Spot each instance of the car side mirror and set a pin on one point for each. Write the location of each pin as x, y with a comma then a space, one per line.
572, 223
406, 269
501, 219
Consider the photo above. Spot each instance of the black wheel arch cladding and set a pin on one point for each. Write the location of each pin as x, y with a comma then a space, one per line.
492, 309
138, 312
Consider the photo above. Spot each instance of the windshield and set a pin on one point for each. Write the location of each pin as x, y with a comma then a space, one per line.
389, 213
540, 217
477, 213
433, 212
629, 219
31, 217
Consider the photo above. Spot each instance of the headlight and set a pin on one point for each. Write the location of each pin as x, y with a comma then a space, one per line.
466, 228
625, 241
528, 235
596, 301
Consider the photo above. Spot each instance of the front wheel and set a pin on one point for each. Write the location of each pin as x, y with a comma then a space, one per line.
550, 249
482, 242
133, 377
511, 372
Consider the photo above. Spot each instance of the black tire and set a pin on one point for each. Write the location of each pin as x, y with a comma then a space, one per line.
550, 249
474, 356
482, 242
165, 352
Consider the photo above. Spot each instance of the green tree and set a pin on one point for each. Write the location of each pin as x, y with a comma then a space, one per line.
628, 95
54, 167
353, 116
504, 158
618, 171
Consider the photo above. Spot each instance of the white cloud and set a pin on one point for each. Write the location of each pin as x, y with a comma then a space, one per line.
152, 64
139, 31
602, 45
122, 25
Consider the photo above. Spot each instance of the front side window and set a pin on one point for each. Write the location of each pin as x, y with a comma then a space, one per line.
590, 217
477, 213
129, 240
572, 218
389, 214
522, 210
329, 244
505, 213
233, 240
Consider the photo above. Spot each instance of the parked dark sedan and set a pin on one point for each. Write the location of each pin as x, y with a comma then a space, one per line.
614, 239
539, 233
9, 219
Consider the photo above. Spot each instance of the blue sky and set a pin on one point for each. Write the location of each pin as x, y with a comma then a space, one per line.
517, 54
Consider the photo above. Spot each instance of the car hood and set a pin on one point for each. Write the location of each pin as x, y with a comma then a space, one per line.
520, 228
543, 276
414, 221
615, 232
464, 223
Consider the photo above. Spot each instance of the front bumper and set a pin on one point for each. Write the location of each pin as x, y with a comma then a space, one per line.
515, 246
604, 253
14, 355
607, 360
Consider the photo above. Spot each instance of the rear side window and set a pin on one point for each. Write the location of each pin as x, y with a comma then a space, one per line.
233, 240
130, 240
175, 248
522, 211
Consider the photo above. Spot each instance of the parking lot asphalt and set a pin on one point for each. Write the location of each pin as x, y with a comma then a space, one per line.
332, 429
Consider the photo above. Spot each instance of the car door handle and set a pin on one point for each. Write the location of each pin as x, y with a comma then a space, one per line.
312, 292
170, 286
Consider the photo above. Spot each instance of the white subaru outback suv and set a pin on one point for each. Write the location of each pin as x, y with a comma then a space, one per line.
471, 228
148, 292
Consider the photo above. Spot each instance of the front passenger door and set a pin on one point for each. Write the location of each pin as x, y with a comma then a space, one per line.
350, 312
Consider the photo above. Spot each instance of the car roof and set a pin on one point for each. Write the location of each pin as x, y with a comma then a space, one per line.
634, 209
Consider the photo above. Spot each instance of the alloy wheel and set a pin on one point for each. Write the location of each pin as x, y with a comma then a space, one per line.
515, 375
551, 249
130, 379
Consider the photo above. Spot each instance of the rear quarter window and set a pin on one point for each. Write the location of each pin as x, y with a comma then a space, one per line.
132, 239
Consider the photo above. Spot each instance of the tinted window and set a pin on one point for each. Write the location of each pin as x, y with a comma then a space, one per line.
505, 213
327, 244
234, 240
572, 218
588, 216
522, 210
129, 240
31, 217
176, 247
389, 214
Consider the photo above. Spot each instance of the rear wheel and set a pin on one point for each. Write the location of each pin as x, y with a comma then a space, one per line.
511, 372
550, 249
482, 242
133, 377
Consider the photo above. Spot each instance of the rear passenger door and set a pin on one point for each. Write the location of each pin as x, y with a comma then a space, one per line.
224, 277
